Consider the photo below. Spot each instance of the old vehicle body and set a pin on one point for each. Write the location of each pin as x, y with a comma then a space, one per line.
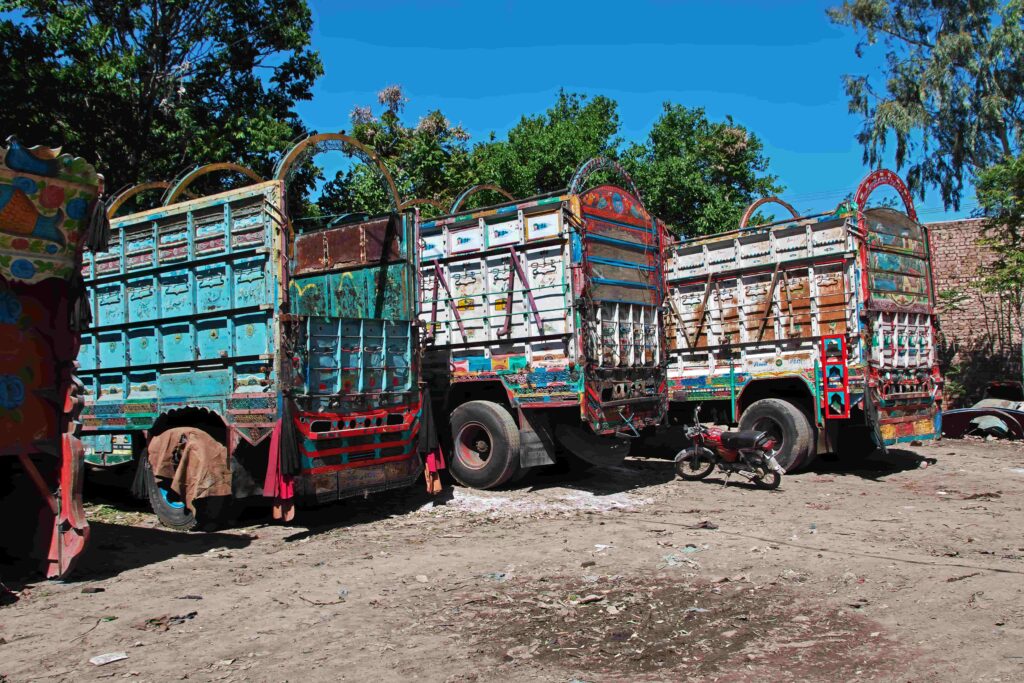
294, 349
543, 328
819, 329
48, 216
1000, 413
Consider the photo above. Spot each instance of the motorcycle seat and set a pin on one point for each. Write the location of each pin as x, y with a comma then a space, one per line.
743, 440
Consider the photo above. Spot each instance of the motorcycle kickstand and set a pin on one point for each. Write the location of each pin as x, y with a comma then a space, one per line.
728, 473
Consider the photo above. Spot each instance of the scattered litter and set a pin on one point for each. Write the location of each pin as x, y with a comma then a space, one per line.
163, 623
100, 660
588, 563
189, 597
421, 578
498, 504
90, 590
342, 593
690, 548
699, 610
587, 599
496, 576
601, 547
704, 524
676, 560
983, 495
1017, 470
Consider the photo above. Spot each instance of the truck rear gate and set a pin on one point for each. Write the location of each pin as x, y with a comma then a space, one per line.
548, 310
751, 311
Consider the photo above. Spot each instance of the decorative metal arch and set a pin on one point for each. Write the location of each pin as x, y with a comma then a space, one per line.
469, 191
339, 142
761, 202
115, 203
410, 203
872, 182
182, 182
591, 166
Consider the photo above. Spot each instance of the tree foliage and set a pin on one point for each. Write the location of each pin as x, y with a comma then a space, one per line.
698, 175
1000, 191
429, 160
542, 150
145, 89
951, 92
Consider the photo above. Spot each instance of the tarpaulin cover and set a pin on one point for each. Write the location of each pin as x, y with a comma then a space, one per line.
194, 462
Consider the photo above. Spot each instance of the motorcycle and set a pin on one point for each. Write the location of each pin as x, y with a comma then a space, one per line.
748, 453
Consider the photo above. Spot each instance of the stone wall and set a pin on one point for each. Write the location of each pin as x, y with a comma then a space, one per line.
979, 341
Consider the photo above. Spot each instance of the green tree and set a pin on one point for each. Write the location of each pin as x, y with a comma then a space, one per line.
698, 175
145, 89
1000, 191
429, 160
542, 150
950, 94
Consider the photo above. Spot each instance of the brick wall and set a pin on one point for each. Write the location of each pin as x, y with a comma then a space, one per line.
979, 341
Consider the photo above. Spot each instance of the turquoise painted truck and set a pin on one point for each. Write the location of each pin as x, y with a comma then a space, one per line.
234, 355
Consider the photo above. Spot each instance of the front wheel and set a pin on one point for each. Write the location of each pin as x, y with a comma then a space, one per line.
694, 464
485, 451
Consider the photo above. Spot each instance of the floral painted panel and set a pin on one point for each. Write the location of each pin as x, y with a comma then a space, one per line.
47, 203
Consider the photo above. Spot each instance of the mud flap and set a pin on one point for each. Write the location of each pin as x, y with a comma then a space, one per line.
536, 441
871, 416
603, 451
71, 530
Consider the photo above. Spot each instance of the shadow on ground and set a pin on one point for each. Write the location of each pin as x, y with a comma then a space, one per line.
631, 475
874, 466
115, 548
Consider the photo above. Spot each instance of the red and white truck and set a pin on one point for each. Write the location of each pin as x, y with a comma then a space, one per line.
819, 329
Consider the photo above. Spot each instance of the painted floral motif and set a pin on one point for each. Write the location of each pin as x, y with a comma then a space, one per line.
45, 206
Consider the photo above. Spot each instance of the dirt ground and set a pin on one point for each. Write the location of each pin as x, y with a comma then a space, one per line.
904, 567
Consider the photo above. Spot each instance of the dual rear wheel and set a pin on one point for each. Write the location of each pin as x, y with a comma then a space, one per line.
485, 448
788, 426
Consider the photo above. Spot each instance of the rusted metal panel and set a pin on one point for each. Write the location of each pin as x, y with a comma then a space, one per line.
348, 246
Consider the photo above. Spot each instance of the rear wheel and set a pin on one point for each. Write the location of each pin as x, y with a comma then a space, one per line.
768, 480
787, 425
485, 451
168, 507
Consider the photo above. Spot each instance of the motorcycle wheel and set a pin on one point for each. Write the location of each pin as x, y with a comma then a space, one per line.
694, 464
768, 480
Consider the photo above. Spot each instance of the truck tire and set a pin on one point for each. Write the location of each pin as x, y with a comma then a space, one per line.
171, 511
782, 420
485, 451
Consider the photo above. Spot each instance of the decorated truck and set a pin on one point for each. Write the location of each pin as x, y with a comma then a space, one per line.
542, 328
50, 212
818, 329
234, 353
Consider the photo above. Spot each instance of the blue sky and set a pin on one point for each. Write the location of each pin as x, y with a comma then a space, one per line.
776, 67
